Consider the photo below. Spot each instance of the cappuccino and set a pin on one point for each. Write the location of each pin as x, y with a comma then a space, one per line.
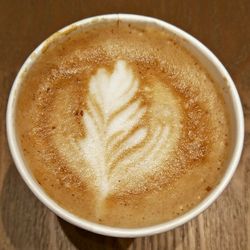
121, 125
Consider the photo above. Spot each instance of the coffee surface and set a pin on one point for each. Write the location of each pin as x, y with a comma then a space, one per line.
121, 125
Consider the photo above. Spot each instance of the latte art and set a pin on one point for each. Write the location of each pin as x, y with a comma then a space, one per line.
119, 135
121, 125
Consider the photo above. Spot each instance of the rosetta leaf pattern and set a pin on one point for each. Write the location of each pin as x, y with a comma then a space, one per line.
111, 119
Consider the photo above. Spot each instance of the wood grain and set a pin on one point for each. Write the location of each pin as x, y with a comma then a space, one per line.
221, 25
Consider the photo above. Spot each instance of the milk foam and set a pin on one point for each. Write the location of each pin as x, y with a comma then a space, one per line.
117, 138
124, 143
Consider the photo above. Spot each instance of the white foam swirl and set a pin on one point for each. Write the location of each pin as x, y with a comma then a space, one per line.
113, 127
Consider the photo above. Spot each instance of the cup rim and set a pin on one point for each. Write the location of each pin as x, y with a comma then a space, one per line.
116, 231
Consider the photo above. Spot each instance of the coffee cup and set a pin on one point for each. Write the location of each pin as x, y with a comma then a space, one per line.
206, 59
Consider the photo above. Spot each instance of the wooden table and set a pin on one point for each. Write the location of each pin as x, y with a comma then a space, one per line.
223, 26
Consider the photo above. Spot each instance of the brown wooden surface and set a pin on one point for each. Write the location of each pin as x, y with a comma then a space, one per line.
223, 26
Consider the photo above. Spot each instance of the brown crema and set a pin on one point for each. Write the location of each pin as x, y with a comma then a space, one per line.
121, 125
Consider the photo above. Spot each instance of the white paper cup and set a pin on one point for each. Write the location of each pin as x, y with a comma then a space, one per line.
217, 72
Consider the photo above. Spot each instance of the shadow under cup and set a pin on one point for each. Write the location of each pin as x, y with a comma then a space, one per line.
218, 74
